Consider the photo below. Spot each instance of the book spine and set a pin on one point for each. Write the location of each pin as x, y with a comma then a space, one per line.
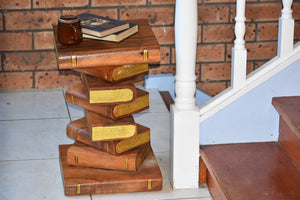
85, 85
80, 134
88, 157
105, 73
148, 55
116, 74
114, 187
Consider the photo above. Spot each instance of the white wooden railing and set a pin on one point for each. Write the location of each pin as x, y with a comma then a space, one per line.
239, 52
186, 117
184, 146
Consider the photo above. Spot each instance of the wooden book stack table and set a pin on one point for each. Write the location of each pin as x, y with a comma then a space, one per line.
111, 153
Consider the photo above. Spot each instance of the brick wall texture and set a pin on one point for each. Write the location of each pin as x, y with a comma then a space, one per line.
26, 42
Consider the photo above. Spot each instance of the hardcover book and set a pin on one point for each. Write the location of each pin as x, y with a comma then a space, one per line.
103, 92
84, 156
83, 180
116, 37
115, 73
106, 129
79, 131
76, 95
141, 47
100, 26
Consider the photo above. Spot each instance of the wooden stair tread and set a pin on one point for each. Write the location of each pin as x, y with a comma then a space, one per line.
289, 110
251, 171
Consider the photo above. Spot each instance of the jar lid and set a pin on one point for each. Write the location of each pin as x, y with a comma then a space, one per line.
68, 19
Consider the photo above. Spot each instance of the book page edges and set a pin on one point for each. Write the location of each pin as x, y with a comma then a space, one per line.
127, 71
106, 32
140, 139
113, 132
138, 104
111, 96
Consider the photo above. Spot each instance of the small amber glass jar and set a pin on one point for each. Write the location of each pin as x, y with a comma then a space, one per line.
69, 30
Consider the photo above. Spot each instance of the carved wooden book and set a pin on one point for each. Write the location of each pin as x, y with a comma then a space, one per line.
76, 95
141, 47
78, 130
106, 129
85, 156
83, 180
103, 92
115, 73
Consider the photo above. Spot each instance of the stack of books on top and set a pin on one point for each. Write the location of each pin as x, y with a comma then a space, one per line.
104, 28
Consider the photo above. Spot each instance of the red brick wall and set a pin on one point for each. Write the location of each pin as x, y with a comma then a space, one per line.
28, 59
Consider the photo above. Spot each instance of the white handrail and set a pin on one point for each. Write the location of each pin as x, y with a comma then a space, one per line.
241, 85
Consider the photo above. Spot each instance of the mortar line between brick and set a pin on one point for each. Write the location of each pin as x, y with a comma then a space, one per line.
200, 74
229, 15
256, 32
171, 55
3, 22
2, 62
33, 79
225, 52
32, 41
202, 27
118, 13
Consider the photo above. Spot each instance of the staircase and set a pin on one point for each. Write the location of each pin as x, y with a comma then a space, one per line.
241, 114
266, 170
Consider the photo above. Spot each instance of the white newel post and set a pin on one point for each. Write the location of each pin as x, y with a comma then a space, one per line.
285, 29
184, 144
239, 52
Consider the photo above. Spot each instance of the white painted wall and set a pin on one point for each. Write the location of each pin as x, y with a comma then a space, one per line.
252, 118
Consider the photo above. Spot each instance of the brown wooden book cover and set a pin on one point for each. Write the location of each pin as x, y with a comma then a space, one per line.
76, 95
106, 129
82, 180
103, 92
115, 73
142, 47
79, 131
86, 156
